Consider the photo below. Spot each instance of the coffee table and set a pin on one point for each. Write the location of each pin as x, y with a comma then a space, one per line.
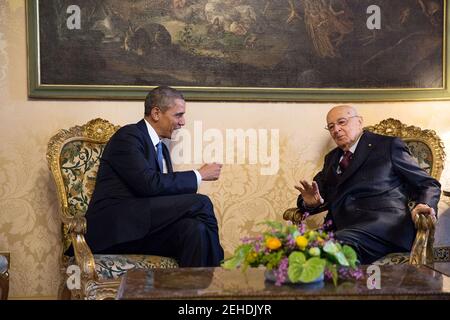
397, 282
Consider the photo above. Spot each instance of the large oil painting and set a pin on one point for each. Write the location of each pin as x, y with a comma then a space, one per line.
283, 50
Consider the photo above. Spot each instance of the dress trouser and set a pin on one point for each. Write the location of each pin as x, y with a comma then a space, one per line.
368, 247
190, 235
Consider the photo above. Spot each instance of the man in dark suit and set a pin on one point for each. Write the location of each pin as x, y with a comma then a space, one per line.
366, 184
140, 205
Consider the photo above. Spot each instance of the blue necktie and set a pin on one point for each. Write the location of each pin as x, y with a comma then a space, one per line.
159, 153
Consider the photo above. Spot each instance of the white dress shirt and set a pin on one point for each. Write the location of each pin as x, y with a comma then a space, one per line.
155, 140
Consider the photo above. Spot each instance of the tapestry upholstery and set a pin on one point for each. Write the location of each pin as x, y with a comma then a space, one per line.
422, 153
109, 266
79, 164
393, 259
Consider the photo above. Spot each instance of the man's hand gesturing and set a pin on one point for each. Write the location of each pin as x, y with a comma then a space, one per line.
310, 193
210, 171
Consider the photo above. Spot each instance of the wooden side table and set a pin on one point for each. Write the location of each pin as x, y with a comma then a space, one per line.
4, 275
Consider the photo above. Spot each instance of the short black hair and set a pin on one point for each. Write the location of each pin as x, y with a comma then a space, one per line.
161, 97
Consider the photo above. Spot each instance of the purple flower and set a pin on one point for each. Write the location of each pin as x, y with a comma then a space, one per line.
302, 228
327, 274
290, 242
281, 272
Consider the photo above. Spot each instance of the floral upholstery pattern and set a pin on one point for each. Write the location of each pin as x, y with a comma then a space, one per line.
441, 254
109, 266
79, 165
422, 153
393, 259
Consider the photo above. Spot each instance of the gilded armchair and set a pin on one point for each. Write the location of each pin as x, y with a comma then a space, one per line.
428, 149
73, 157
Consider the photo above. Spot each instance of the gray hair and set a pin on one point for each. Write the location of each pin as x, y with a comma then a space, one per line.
161, 97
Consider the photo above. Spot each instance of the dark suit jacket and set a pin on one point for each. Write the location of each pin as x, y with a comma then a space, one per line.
373, 193
130, 188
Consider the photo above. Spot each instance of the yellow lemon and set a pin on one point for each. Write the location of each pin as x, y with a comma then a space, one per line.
301, 242
273, 243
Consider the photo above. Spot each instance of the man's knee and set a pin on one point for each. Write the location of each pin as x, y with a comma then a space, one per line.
204, 200
203, 204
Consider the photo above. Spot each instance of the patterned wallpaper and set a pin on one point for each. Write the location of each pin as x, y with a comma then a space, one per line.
29, 223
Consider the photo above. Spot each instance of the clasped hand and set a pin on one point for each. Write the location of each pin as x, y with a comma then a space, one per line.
424, 209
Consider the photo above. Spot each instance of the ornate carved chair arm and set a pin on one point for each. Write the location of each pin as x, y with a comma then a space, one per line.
74, 223
76, 227
294, 215
422, 250
83, 256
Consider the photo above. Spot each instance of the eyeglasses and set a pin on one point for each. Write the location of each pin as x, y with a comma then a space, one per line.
342, 122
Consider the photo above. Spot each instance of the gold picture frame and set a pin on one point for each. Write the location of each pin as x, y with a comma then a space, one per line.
239, 50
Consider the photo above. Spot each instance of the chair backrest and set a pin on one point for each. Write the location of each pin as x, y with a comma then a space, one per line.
425, 145
73, 157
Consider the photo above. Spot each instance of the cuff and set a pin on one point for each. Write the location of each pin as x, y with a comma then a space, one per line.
199, 178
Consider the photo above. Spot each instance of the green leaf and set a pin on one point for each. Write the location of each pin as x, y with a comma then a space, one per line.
295, 234
334, 249
239, 257
350, 254
292, 229
295, 272
333, 270
330, 247
297, 257
272, 260
278, 226
295, 269
341, 259
312, 269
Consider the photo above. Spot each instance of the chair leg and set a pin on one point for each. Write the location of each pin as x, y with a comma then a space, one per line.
4, 287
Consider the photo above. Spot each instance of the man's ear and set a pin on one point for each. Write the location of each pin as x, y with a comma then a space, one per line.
155, 113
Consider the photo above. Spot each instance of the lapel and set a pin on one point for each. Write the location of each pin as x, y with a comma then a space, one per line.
150, 147
333, 162
166, 155
362, 151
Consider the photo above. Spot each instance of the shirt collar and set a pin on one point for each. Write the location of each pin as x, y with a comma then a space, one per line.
152, 133
353, 147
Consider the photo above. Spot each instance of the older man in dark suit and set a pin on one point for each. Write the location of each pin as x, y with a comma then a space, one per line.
366, 184
140, 205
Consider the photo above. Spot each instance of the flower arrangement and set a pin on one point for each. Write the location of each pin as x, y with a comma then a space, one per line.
297, 255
